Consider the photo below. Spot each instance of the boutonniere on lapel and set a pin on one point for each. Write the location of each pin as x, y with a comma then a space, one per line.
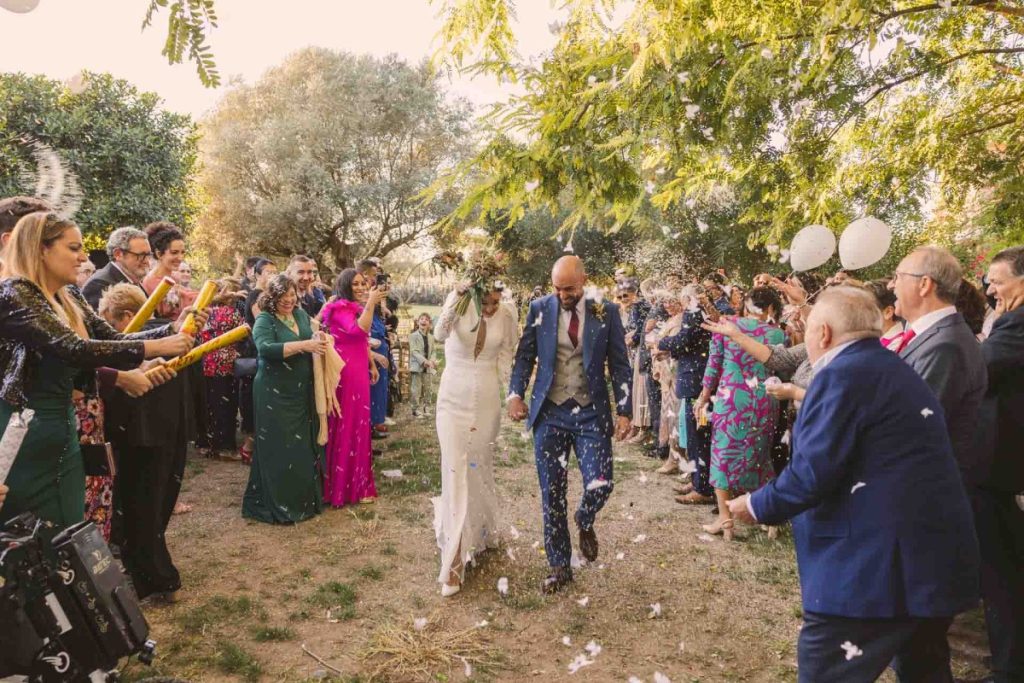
597, 310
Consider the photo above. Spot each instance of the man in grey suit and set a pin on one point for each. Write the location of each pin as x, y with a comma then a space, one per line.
129, 252
941, 348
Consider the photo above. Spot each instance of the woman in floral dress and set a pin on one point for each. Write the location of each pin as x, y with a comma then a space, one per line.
743, 414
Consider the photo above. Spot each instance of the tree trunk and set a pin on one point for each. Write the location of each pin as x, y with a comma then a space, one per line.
342, 253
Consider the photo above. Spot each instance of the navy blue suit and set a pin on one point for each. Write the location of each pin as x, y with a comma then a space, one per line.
690, 349
557, 428
881, 521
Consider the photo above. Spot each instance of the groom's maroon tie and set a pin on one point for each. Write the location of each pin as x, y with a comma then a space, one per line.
574, 328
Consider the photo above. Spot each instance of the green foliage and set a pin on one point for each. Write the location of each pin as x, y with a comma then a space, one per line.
188, 23
802, 113
134, 161
326, 155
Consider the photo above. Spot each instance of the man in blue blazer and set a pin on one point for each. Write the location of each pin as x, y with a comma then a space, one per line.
884, 538
690, 349
570, 339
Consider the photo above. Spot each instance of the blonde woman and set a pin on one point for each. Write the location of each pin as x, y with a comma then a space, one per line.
663, 369
47, 331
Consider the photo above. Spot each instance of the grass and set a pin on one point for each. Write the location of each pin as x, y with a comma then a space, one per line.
338, 598
272, 634
232, 659
421, 468
372, 572
218, 610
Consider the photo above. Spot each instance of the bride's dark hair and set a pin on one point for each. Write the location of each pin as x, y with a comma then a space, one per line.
343, 285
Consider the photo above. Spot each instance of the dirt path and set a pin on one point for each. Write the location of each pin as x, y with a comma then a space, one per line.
358, 577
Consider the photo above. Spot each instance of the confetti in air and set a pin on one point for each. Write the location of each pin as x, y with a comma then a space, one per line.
597, 484
856, 486
531, 185
851, 650
927, 412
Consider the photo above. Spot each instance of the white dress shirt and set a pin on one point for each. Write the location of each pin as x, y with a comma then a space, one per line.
564, 317
922, 324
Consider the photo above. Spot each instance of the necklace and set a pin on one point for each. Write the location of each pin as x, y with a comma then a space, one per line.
290, 322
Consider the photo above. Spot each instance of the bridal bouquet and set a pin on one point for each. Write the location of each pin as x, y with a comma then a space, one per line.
481, 275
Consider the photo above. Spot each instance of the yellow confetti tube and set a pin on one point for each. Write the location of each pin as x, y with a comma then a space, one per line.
146, 312
203, 299
227, 339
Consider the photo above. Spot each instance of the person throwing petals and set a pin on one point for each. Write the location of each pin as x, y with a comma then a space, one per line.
570, 339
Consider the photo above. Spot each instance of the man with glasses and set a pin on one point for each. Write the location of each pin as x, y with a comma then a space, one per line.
941, 348
129, 252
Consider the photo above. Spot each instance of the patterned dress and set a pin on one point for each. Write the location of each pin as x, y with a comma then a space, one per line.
744, 414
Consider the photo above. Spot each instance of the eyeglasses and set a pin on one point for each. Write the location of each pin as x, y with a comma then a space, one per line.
139, 254
896, 275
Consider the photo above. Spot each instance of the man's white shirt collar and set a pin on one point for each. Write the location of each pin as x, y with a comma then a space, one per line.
831, 354
921, 325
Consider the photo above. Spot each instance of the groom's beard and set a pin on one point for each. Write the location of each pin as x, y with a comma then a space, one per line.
571, 305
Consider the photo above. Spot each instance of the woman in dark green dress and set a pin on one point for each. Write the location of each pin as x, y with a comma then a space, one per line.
285, 482
48, 332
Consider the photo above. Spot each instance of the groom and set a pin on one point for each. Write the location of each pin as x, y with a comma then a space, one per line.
570, 339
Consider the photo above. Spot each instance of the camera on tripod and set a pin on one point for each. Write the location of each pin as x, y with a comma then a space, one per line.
67, 611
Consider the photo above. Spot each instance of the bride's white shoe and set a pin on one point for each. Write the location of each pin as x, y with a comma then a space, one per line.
448, 590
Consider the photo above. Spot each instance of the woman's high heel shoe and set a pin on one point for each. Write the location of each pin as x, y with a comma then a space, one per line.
448, 590
722, 526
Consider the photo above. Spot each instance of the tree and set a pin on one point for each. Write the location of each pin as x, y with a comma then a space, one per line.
188, 23
133, 161
809, 112
327, 155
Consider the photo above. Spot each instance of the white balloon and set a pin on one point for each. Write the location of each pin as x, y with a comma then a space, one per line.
19, 6
864, 242
812, 247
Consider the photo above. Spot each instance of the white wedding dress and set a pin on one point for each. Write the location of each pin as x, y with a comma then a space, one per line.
468, 420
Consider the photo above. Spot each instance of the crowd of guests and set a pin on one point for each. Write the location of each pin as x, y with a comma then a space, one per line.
723, 385
111, 424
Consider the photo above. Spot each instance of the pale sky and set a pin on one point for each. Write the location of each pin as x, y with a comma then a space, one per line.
61, 37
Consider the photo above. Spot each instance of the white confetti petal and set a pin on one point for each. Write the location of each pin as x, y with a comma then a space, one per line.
514, 532
503, 585
634, 679
691, 111
661, 678
584, 601
851, 650
655, 611
856, 486
531, 185
927, 412
420, 623
566, 640
620, 556
639, 538
593, 648
706, 538
578, 663
481, 624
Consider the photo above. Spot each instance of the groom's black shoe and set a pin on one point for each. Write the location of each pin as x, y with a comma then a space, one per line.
588, 540
559, 578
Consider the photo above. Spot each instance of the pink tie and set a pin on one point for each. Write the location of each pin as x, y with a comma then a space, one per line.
908, 336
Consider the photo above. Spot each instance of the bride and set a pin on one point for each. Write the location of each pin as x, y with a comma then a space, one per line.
478, 355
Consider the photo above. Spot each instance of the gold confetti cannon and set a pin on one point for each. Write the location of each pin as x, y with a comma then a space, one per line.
146, 312
227, 339
203, 299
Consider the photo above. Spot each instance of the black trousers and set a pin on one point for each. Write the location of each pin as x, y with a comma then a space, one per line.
246, 406
844, 650
145, 490
654, 408
221, 414
1000, 526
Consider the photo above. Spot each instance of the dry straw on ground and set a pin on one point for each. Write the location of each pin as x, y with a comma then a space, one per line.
417, 652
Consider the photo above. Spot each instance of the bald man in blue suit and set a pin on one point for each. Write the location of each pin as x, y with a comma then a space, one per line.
884, 538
